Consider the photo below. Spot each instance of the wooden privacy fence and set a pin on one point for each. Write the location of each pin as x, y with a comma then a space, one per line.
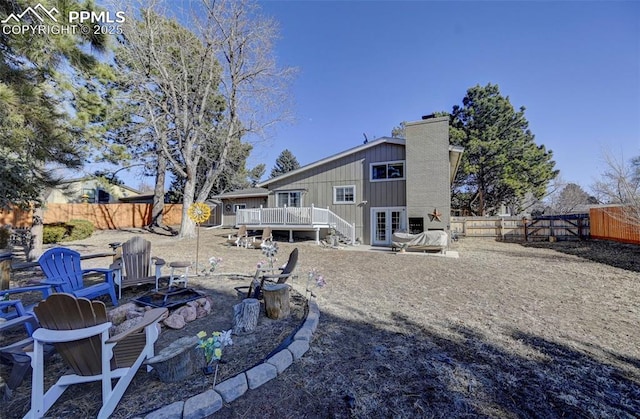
103, 216
611, 223
504, 228
557, 227
560, 227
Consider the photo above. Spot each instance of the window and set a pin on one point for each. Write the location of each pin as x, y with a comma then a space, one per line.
289, 199
393, 170
88, 195
236, 207
344, 194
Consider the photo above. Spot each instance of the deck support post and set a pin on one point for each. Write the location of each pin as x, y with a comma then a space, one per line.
290, 236
317, 235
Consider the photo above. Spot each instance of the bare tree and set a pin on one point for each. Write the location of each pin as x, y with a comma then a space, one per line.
568, 198
204, 88
174, 77
620, 184
255, 89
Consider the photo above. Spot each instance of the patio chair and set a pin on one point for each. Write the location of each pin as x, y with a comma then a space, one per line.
79, 330
257, 242
62, 268
241, 237
254, 290
136, 266
9, 311
14, 343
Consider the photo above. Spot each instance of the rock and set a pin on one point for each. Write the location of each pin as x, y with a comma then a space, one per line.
207, 305
200, 313
189, 313
175, 321
125, 325
133, 314
203, 307
119, 314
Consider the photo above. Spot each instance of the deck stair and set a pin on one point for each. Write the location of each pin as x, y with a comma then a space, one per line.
297, 218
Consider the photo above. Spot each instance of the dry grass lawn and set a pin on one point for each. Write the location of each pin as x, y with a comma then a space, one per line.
506, 330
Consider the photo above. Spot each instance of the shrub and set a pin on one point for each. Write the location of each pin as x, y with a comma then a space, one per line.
73, 230
79, 229
53, 233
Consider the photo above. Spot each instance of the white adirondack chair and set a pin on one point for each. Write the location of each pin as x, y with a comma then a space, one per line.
79, 330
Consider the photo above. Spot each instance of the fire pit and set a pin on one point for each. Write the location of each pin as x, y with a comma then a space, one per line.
169, 297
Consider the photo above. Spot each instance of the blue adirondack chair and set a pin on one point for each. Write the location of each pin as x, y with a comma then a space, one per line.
62, 268
9, 311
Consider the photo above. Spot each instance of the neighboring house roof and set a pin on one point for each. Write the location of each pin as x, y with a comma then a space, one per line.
388, 140
243, 193
454, 151
455, 156
89, 178
147, 197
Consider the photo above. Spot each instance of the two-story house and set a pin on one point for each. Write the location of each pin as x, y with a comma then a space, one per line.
365, 193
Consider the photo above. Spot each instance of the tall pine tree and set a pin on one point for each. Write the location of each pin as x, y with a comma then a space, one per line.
501, 161
42, 76
285, 162
52, 106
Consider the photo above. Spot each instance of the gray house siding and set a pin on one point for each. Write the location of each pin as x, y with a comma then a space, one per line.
412, 185
229, 216
317, 186
428, 171
391, 193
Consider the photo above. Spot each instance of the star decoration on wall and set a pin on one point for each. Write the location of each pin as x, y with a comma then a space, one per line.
435, 215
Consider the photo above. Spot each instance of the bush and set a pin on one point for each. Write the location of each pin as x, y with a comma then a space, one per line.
73, 230
53, 233
79, 229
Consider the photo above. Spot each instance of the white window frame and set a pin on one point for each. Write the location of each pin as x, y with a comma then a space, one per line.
288, 204
236, 207
387, 164
335, 194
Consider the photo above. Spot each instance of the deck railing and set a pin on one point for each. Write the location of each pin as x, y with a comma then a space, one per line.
296, 216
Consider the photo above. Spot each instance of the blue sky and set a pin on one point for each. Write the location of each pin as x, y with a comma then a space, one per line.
366, 66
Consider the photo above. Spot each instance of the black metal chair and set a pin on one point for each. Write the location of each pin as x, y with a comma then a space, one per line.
276, 275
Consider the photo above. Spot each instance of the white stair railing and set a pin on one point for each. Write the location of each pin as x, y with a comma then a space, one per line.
299, 216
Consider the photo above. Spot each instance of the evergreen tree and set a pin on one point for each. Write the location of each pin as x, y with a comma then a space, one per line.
41, 77
285, 162
52, 105
501, 161
256, 174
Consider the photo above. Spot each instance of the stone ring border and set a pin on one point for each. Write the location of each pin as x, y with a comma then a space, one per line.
211, 401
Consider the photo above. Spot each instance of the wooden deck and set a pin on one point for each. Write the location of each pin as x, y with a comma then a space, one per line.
295, 219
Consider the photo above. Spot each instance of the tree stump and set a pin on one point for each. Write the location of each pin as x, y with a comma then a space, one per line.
5, 270
276, 301
178, 360
245, 316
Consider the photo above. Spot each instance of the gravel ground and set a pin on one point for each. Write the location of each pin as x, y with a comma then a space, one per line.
506, 330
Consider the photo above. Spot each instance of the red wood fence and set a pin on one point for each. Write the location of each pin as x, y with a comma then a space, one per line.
610, 223
103, 216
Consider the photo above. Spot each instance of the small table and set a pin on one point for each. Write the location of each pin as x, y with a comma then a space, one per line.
181, 279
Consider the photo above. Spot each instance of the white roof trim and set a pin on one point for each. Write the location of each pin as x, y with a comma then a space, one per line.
382, 140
